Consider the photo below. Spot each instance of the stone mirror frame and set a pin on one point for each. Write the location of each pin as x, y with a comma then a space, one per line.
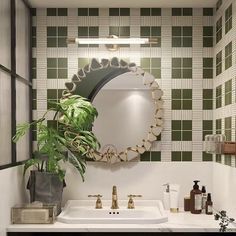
87, 84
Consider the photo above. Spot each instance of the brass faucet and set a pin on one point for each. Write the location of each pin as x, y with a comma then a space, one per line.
131, 201
98, 202
114, 204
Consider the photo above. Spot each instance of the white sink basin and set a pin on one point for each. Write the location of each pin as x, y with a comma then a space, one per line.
84, 212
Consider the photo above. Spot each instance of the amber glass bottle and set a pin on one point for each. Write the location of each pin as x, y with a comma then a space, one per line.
196, 199
209, 204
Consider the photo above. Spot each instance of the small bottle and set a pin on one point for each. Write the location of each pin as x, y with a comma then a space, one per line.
166, 197
204, 199
196, 199
209, 204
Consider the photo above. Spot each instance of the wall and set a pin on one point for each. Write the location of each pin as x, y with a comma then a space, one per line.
11, 185
179, 67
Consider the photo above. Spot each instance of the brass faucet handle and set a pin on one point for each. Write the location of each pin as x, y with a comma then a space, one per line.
131, 201
98, 202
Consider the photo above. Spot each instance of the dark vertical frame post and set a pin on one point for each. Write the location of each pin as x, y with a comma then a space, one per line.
13, 78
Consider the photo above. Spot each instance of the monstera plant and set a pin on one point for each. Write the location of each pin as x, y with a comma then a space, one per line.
70, 142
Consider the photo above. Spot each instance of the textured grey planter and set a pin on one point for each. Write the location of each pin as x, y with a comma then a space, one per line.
45, 187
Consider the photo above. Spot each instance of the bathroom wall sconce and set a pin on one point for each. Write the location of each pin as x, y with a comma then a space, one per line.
112, 41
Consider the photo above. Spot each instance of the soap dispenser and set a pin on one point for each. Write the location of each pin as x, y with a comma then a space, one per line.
166, 197
196, 199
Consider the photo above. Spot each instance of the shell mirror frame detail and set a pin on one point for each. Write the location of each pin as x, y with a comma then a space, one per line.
155, 129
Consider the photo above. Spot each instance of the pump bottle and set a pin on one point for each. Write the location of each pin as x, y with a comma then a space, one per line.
196, 199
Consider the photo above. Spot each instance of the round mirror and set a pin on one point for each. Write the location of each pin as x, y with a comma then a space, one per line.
129, 105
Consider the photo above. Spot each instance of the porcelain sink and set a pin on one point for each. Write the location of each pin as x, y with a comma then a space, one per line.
84, 212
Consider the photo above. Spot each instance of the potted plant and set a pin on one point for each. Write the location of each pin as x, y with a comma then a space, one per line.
70, 142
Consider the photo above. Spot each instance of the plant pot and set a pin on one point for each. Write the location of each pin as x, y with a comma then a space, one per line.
46, 187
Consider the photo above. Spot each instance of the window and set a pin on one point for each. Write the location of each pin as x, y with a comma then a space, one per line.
207, 11
56, 11
181, 130
207, 128
219, 96
88, 11
150, 11
182, 11
228, 92
181, 68
88, 31
119, 11
181, 156
151, 31
57, 68
181, 36
218, 4
228, 19
181, 99
207, 99
207, 36
219, 63
207, 68
228, 128
228, 56
152, 65
219, 30
56, 36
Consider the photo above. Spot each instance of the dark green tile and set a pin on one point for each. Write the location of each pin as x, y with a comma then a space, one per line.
176, 73
51, 31
52, 73
228, 135
156, 73
62, 74
208, 62
208, 42
33, 31
176, 105
51, 11
93, 31
187, 93
155, 31
187, 31
187, 105
114, 11
51, 104
176, 125
34, 73
124, 31
186, 156
62, 31
176, 62
207, 94
186, 135
145, 31
59, 93
187, 124
207, 73
52, 94
187, 42
228, 160
34, 105
207, 124
218, 90
228, 62
33, 11
145, 62
51, 62
176, 31
34, 62
176, 136
207, 104
62, 62
156, 11
155, 156
187, 11
62, 11
52, 124
175, 156
207, 11
176, 93
146, 156
156, 62
206, 132
218, 158
83, 31
228, 99
93, 12
176, 41
176, 11
228, 122
114, 30
34, 94
34, 135
62, 42
228, 86
187, 73
82, 11
51, 42
124, 11
34, 42
187, 62
207, 30
145, 11
228, 25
